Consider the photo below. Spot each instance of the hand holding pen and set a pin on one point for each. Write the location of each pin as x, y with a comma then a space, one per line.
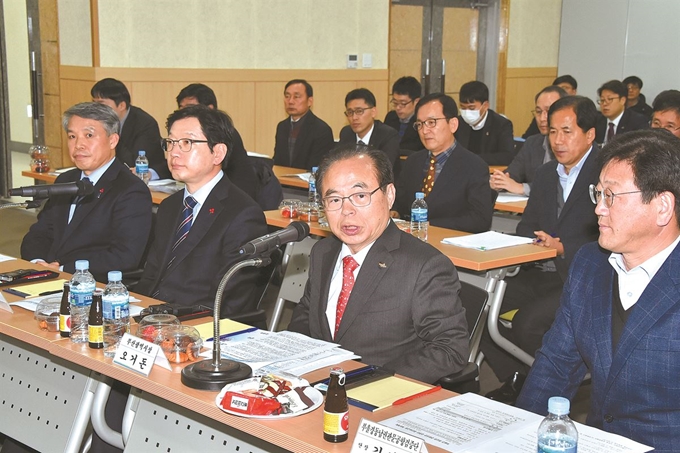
545, 240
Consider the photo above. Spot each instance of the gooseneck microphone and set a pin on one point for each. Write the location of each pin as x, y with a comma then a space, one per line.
80, 188
294, 232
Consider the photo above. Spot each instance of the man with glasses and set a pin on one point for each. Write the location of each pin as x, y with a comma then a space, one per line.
619, 316
364, 129
558, 215
406, 93
535, 152
616, 118
666, 112
302, 139
455, 181
375, 290
199, 230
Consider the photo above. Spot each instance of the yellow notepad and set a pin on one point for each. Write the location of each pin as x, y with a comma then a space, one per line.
226, 326
37, 289
385, 392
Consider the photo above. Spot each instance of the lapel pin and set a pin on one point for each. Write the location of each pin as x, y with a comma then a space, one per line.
382, 265
101, 192
211, 210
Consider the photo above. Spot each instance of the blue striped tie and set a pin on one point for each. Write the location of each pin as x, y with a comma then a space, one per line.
185, 225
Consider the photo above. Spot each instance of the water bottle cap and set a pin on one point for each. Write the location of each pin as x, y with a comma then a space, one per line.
142, 153
115, 276
420, 195
82, 265
558, 405
314, 169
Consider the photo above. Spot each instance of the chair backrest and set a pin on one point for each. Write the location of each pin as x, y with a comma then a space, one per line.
270, 192
297, 268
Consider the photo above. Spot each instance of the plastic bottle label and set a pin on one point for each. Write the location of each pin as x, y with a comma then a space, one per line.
553, 443
79, 299
116, 309
95, 334
419, 215
335, 424
64, 323
141, 168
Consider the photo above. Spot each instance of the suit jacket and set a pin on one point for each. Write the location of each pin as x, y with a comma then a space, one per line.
383, 138
228, 219
630, 121
404, 312
313, 142
410, 141
497, 146
635, 390
528, 159
239, 168
109, 228
577, 223
461, 198
141, 132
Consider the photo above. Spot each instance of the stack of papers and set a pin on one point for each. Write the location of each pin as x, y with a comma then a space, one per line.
384, 392
505, 197
304, 176
487, 241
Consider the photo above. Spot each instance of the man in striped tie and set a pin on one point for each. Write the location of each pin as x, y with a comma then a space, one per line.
199, 230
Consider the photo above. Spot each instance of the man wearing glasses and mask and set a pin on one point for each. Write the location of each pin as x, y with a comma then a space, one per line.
364, 129
406, 93
454, 180
199, 230
619, 314
373, 289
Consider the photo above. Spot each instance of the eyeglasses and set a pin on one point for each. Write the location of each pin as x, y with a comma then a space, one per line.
185, 144
430, 123
359, 199
539, 112
357, 112
607, 194
402, 104
668, 127
603, 101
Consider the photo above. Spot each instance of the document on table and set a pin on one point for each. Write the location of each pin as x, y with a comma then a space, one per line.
304, 176
489, 240
505, 197
6, 258
471, 423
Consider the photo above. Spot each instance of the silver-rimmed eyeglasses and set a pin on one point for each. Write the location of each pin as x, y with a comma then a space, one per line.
359, 199
607, 194
185, 144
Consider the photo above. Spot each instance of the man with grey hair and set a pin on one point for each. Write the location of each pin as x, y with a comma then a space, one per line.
109, 227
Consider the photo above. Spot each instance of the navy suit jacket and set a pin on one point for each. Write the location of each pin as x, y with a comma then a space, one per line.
461, 198
228, 219
635, 390
404, 312
109, 228
577, 223
141, 132
497, 146
630, 121
313, 142
383, 138
410, 141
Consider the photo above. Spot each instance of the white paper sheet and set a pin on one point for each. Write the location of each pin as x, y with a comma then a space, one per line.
489, 240
304, 176
6, 258
505, 197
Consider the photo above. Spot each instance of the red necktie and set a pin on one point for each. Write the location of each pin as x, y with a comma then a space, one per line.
349, 264
610, 132
428, 182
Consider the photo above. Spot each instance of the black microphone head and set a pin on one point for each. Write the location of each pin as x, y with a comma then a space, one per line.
85, 187
302, 229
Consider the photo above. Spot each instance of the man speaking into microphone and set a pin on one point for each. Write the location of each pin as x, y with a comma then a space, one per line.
200, 230
107, 224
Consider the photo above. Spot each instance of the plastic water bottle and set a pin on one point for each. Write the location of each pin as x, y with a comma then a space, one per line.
557, 433
313, 196
142, 167
82, 287
419, 217
116, 302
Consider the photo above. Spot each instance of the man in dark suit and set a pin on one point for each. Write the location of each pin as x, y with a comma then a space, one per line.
186, 264
559, 215
666, 113
236, 165
569, 85
406, 93
302, 139
109, 227
616, 118
517, 178
459, 196
480, 129
619, 316
138, 130
364, 129
404, 311
636, 101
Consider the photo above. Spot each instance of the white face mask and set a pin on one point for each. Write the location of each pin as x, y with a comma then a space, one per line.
470, 116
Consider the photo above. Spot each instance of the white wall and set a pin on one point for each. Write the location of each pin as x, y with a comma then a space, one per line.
534, 33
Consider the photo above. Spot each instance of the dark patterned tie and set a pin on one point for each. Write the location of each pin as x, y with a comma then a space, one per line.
185, 225
402, 129
610, 132
361, 142
349, 264
428, 182
76, 201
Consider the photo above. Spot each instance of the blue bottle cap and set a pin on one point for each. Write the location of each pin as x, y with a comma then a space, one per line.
558, 405
82, 265
115, 276
142, 153
420, 195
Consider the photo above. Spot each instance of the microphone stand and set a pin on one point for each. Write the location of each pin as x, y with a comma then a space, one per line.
216, 373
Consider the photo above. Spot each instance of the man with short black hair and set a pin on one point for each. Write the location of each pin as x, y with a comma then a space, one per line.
139, 131
615, 118
480, 129
666, 112
567, 83
364, 129
406, 93
636, 101
302, 139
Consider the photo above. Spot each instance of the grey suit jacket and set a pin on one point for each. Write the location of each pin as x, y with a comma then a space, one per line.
404, 312
528, 159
